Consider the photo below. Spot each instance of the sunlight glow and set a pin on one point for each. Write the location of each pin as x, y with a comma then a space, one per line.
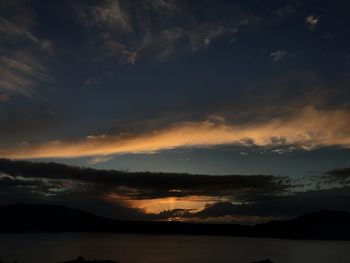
310, 128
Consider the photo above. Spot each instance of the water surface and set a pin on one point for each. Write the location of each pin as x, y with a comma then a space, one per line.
125, 248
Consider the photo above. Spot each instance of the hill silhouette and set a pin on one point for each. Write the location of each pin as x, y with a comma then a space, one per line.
20, 218
324, 224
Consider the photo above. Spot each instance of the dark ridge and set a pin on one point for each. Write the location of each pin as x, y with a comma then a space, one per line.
324, 224
24, 218
41, 217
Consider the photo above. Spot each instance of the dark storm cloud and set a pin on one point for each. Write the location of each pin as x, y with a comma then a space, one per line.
72, 193
43, 192
341, 176
246, 196
175, 214
151, 185
335, 178
289, 205
90, 189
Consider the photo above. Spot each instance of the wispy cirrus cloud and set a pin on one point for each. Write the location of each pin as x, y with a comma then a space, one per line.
20, 72
130, 29
106, 14
279, 55
23, 54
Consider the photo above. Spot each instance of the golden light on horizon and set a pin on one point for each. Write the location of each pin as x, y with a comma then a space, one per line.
170, 203
310, 128
157, 205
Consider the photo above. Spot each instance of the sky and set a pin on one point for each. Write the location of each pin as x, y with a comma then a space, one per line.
251, 97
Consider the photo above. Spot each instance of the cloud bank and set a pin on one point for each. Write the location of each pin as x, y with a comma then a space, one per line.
167, 196
309, 128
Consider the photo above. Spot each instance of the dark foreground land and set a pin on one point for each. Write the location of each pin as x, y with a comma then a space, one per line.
25, 218
82, 260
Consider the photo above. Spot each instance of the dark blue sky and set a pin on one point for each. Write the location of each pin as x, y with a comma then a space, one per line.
201, 87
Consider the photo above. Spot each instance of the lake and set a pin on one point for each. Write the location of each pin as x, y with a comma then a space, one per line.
128, 248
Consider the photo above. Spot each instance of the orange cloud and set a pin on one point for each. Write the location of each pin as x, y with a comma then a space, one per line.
170, 203
158, 205
309, 128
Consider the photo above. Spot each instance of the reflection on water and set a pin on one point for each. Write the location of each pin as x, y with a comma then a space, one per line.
37, 248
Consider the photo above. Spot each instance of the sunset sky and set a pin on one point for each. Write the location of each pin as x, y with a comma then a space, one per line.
240, 110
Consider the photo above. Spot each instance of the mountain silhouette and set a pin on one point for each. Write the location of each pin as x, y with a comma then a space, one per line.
40, 217
21, 218
324, 224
